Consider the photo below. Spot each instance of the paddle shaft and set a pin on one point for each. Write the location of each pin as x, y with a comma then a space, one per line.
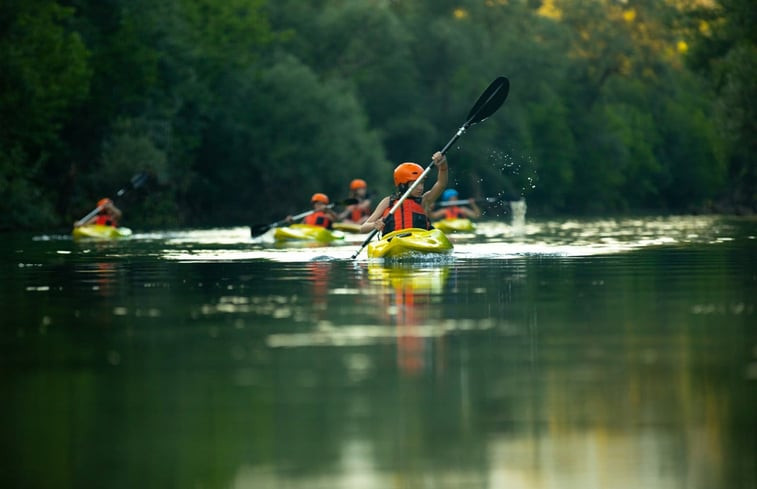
488, 200
89, 216
455, 202
304, 214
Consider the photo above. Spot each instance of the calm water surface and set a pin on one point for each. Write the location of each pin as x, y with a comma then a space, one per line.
571, 354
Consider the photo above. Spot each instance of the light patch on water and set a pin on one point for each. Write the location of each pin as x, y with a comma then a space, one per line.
151, 313
240, 234
736, 309
277, 307
498, 239
38, 288
364, 335
287, 255
345, 291
358, 366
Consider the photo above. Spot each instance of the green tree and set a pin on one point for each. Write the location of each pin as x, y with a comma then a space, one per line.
43, 73
288, 130
724, 50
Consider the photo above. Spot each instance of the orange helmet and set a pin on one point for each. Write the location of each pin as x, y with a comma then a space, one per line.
358, 183
319, 197
103, 202
407, 172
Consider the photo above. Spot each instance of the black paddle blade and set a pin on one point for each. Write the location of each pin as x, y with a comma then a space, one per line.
136, 181
489, 101
139, 179
256, 231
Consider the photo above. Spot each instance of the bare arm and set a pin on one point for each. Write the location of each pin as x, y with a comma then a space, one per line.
474, 211
114, 211
437, 214
375, 221
441, 182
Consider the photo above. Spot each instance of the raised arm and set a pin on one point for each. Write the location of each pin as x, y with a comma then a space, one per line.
441, 182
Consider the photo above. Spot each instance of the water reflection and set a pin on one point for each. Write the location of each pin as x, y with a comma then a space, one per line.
223, 363
408, 293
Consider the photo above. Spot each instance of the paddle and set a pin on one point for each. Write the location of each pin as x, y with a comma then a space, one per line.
486, 200
487, 104
136, 181
263, 228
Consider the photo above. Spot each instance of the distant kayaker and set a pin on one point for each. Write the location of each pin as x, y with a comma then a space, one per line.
357, 213
322, 214
470, 211
414, 211
108, 214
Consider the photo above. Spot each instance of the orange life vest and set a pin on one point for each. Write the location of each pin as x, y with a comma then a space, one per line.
105, 219
318, 218
453, 212
410, 214
357, 213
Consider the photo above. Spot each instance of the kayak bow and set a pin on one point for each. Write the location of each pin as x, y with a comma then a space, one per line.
408, 242
306, 232
455, 225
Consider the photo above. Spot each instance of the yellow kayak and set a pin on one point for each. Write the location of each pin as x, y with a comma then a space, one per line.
455, 225
100, 231
410, 241
347, 227
306, 232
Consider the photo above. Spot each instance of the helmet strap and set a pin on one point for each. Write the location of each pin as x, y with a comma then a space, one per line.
402, 188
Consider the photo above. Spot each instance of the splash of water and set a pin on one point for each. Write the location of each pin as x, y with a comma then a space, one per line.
518, 209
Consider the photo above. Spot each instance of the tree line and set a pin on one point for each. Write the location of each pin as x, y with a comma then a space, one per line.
241, 109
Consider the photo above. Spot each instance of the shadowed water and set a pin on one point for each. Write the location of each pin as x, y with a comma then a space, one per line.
555, 354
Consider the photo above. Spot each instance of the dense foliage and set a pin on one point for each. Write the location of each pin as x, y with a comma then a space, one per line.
241, 109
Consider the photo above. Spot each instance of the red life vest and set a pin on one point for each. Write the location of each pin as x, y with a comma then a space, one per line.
318, 218
105, 219
357, 213
410, 214
453, 212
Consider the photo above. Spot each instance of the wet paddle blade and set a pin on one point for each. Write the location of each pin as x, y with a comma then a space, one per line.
136, 181
260, 229
489, 101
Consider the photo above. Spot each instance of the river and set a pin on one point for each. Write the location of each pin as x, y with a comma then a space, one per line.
577, 353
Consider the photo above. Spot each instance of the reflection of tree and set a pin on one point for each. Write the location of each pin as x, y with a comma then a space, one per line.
623, 367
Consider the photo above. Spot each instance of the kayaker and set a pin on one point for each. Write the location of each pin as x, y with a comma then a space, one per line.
456, 211
323, 215
414, 211
357, 213
108, 214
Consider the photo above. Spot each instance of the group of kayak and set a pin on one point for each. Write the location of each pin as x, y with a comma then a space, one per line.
405, 219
